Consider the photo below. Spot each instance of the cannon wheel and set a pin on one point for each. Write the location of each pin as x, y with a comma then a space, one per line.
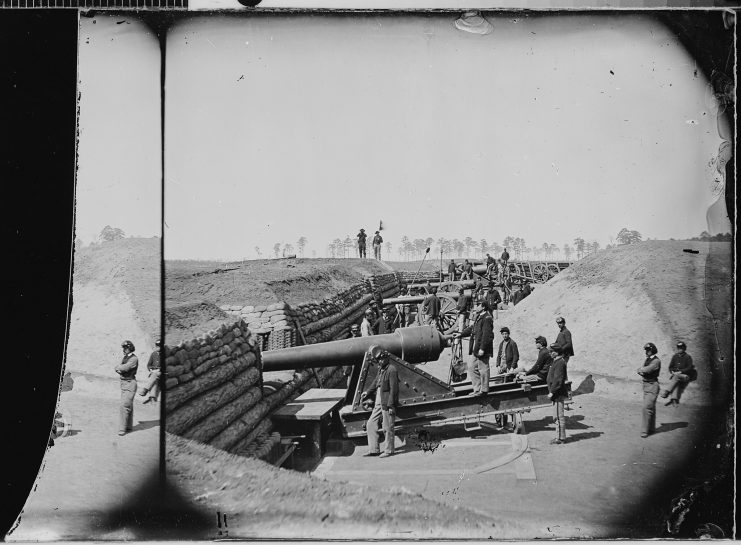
553, 270
448, 313
447, 287
541, 272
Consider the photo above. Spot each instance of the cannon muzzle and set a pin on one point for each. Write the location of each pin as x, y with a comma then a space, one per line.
411, 344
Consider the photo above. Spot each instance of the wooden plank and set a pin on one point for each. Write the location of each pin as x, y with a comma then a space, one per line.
321, 394
314, 410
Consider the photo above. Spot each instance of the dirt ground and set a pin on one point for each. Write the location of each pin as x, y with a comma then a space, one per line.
261, 282
115, 296
91, 473
614, 302
600, 484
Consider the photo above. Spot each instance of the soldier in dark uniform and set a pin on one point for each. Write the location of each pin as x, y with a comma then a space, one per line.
481, 348
385, 390
361, 243
127, 371
152, 385
558, 392
451, 270
650, 372
682, 372
564, 339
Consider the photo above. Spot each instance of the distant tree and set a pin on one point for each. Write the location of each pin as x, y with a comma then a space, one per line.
627, 236
546, 250
429, 241
388, 248
420, 246
338, 248
468, 242
287, 249
301, 245
440, 245
595, 247
409, 249
109, 234
553, 249
348, 244
405, 247
458, 247
484, 247
508, 242
579, 245
276, 249
258, 252
496, 249
567, 252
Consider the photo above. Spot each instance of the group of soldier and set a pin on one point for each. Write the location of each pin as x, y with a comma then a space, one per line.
377, 242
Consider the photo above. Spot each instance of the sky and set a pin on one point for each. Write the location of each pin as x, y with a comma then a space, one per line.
552, 127
119, 176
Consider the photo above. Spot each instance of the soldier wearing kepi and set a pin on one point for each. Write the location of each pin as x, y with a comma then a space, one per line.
650, 372
564, 339
152, 385
385, 389
481, 348
127, 372
682, 372
558, 391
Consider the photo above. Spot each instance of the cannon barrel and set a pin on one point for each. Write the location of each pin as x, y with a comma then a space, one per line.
411, 344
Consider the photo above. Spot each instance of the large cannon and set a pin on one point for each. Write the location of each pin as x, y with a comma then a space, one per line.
423, 398
412, 344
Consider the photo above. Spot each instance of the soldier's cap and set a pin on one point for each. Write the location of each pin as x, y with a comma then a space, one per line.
681, 345
128, 344
363, 230
556, 348
504, 329
560, 320
368, 312
158, 343
354, 327
541, 340
378, 232
377, 352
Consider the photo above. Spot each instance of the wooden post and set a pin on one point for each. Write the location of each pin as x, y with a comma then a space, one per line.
303, 340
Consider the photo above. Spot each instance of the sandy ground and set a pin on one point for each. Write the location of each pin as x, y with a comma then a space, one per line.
91, 473
606, 482
607, 475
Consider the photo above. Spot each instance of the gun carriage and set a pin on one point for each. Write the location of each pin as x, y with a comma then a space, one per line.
423, 398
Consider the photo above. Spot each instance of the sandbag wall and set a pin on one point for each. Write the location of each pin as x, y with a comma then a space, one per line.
385, 285
214, 392
273, 324
405, 278
331, 319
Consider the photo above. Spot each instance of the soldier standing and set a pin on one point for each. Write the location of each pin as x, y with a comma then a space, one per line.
386, 389
564, 339
377, 241
361, 243
481, 348
558, 392
451, 270
127, 372
650, 372
152, 386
